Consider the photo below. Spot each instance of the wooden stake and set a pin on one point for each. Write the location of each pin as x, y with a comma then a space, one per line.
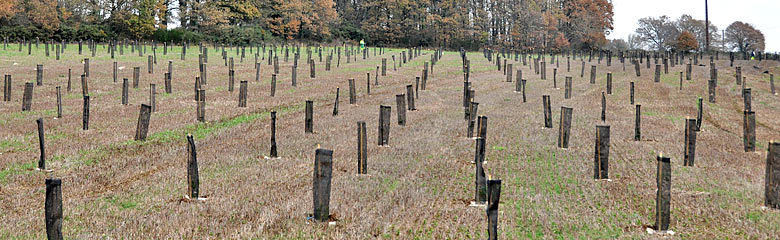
494, 194
42, 145
309, 121
400, 102
273, 85
27, 98
747, 99
564, 129
53, 209
152, 97
688, 70
480, 181
39, 74
124, 91
384, 125
603, 107
274, 153
663, 195
749, 131
738, 73
201, 105
85, 114
336, 104
143, 122
474, 106
601, 157
632, 93
59, 102
482, 127
362, 148
242, 93
690, 142
547, 111
524, 90
410, 97
518, 81
699, 114
772, 177
712, 88
116, 70
323, 170
638, 123
352, 93
136, 76
193, 180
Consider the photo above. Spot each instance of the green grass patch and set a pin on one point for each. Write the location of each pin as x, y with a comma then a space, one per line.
202, 130
390, 184
72, 96
24, 114
121, 203
90, 157
649, 113
551, 179
671, 79
754, 216
28, 142
55, 136
729, 193
171, 113
712, 105
199, 131
673, 118
14, 144
16, 168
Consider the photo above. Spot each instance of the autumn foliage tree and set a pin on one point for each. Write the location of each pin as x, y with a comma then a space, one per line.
686, 42
526, 24
302, 19
7, 8
686, 23
588, 22
43, 13
556, 25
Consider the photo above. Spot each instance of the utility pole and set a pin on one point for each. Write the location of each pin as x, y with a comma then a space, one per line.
706, 26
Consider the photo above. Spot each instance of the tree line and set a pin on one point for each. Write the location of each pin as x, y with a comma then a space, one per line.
689, 34
469, 24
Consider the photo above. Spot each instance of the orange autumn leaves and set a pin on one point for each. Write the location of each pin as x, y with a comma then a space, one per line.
302, 18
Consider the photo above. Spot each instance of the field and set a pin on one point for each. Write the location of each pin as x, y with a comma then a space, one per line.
418, 187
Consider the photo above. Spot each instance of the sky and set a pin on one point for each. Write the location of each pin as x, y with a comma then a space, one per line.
763, 14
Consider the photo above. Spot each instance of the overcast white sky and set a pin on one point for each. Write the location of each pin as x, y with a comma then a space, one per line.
763, 14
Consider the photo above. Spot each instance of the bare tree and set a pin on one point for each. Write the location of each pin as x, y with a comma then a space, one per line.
744, 37
634, 42
657, 33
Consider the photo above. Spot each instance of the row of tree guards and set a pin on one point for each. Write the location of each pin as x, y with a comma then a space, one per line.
601, 150
487, 188
323, 157
203, 75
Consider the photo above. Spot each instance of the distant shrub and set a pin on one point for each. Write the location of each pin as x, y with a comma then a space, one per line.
347, 31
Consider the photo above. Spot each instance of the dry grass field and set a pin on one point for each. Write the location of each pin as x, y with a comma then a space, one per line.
419, 187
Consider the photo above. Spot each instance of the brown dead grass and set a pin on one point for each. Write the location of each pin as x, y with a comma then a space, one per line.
419, 187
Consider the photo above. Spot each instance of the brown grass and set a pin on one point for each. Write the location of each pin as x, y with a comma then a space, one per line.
419, 187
